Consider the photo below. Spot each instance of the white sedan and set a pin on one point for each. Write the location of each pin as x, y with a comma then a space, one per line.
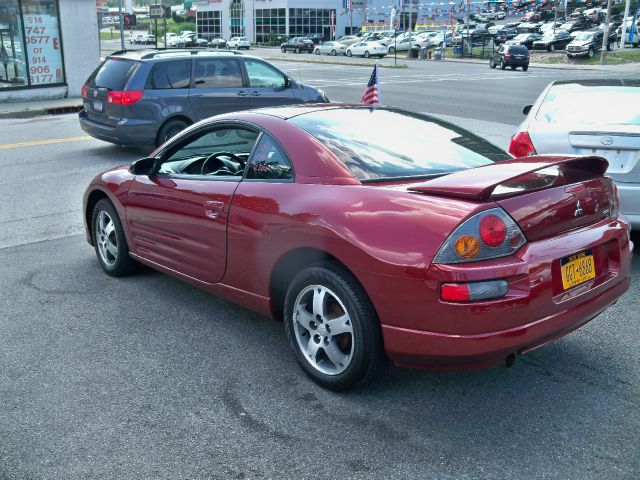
331, 48
367, 49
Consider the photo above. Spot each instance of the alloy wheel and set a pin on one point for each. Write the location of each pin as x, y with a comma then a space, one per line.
323, 330
106, 238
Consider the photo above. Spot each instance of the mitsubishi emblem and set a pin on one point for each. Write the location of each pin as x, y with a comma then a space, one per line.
578, 211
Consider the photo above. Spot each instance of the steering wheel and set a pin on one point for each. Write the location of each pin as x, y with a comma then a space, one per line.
221, 167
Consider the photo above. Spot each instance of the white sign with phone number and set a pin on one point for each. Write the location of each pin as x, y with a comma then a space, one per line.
44, 49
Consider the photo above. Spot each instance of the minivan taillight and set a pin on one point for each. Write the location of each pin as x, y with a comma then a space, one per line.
521, 145
124, 98
84, 91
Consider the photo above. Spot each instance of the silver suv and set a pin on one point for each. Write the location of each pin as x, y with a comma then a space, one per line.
145, 97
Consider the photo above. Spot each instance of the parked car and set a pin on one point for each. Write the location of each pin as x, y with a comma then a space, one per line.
513, 56
276, 208
636, 35
532, 17
298, 45
349, 39
331, 48
144, 97
218, 43
576, 117
504, 34
238, 43
525, 39
367, 49
500, 15
551, 42
578, 24
137, 38
586, 44
527, 27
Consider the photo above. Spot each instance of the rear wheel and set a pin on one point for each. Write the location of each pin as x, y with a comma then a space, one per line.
109, 240
317, 51
297, 50
392, 50
284, 50
170, 129
332, 327
366, 54
525, 68
502, 65
349, 53
334, 53
609, 46
591, 53
492, 63
551, 48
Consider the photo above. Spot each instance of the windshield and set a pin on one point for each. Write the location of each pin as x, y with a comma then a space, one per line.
584, 36
582, 105
387, 143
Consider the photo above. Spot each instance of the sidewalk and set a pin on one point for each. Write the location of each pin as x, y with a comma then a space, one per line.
36, 108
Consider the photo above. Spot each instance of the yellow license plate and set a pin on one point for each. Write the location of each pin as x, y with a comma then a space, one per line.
577, 269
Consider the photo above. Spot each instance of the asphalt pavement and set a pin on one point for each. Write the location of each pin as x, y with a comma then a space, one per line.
146, 377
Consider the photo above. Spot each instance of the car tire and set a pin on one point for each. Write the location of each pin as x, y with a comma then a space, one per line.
335, 361
283, 50
169, 129
349, 54
392, 50
609, 46
109, 240
334, 53
317, 52
492, 63
366, 54
297, 50
525, 68
591, 53
502, 65
551, 47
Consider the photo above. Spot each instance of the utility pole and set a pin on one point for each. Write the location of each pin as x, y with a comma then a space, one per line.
624, 22
468, 18
120, 16
555, 16
410, 26
605, 38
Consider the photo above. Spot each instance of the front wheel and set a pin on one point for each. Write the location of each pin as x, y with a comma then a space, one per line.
392, 50
109, 240
317, 51
492, 63
502, 65
284, 50
366, 54
332, 327
552, 47
334, 53
591, 53
609, 46
349, 54
297, 50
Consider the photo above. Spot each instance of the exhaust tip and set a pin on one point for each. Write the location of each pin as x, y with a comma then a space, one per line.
510, 360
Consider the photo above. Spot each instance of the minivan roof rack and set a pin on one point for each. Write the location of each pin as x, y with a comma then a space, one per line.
146, 54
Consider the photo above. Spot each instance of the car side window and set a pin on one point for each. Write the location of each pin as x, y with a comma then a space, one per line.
269, 162
262, 75
217, 73
222, 151
170, 75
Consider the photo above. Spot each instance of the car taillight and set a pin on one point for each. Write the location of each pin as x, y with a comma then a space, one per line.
84, 91
473, 291
124, 98
521, 145
506, 55
489, 234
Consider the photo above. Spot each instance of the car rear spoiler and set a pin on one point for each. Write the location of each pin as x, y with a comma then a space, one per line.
514, 176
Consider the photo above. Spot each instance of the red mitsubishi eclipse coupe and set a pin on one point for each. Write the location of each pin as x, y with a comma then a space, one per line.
371, 232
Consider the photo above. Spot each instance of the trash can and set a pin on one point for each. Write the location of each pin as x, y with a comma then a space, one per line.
457, 50
438, 53
414, 52
423, 53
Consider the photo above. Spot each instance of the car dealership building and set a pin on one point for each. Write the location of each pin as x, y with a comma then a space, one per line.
45, 50
262, 20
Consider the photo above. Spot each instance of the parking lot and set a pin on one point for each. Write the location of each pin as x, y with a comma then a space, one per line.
146, 377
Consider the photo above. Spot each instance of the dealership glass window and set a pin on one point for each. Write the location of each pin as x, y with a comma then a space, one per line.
30, 44
236, 18
209, 25
310, 21
271, 23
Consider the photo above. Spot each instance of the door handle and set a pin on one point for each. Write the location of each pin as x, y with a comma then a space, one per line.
255, 94
242, 94
213, 208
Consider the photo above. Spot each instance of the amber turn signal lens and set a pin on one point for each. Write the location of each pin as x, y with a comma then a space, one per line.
467, 246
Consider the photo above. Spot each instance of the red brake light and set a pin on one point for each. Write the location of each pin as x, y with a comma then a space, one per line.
455, 292
493, 230
84, 91
507, 55
124, 98
521, 145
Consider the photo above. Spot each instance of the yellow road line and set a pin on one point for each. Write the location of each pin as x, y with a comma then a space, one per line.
43, 142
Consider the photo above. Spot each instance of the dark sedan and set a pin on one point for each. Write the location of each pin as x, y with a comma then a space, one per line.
551, 42
297, 45
503, 35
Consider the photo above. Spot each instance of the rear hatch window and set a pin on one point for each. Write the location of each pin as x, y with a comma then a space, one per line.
113, 74
518, 50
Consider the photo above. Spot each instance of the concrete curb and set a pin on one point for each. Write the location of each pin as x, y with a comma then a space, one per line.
335, 62
37, 111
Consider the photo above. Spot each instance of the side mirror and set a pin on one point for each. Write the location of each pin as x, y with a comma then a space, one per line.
526, 110
144, 166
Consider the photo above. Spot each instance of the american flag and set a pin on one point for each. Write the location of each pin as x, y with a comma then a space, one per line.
371, 94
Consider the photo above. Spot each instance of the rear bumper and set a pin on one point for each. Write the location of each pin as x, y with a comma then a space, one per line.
629, 195
125, 132
420, 349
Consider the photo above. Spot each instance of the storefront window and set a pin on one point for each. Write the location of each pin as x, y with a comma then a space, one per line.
310, 21
30, 45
